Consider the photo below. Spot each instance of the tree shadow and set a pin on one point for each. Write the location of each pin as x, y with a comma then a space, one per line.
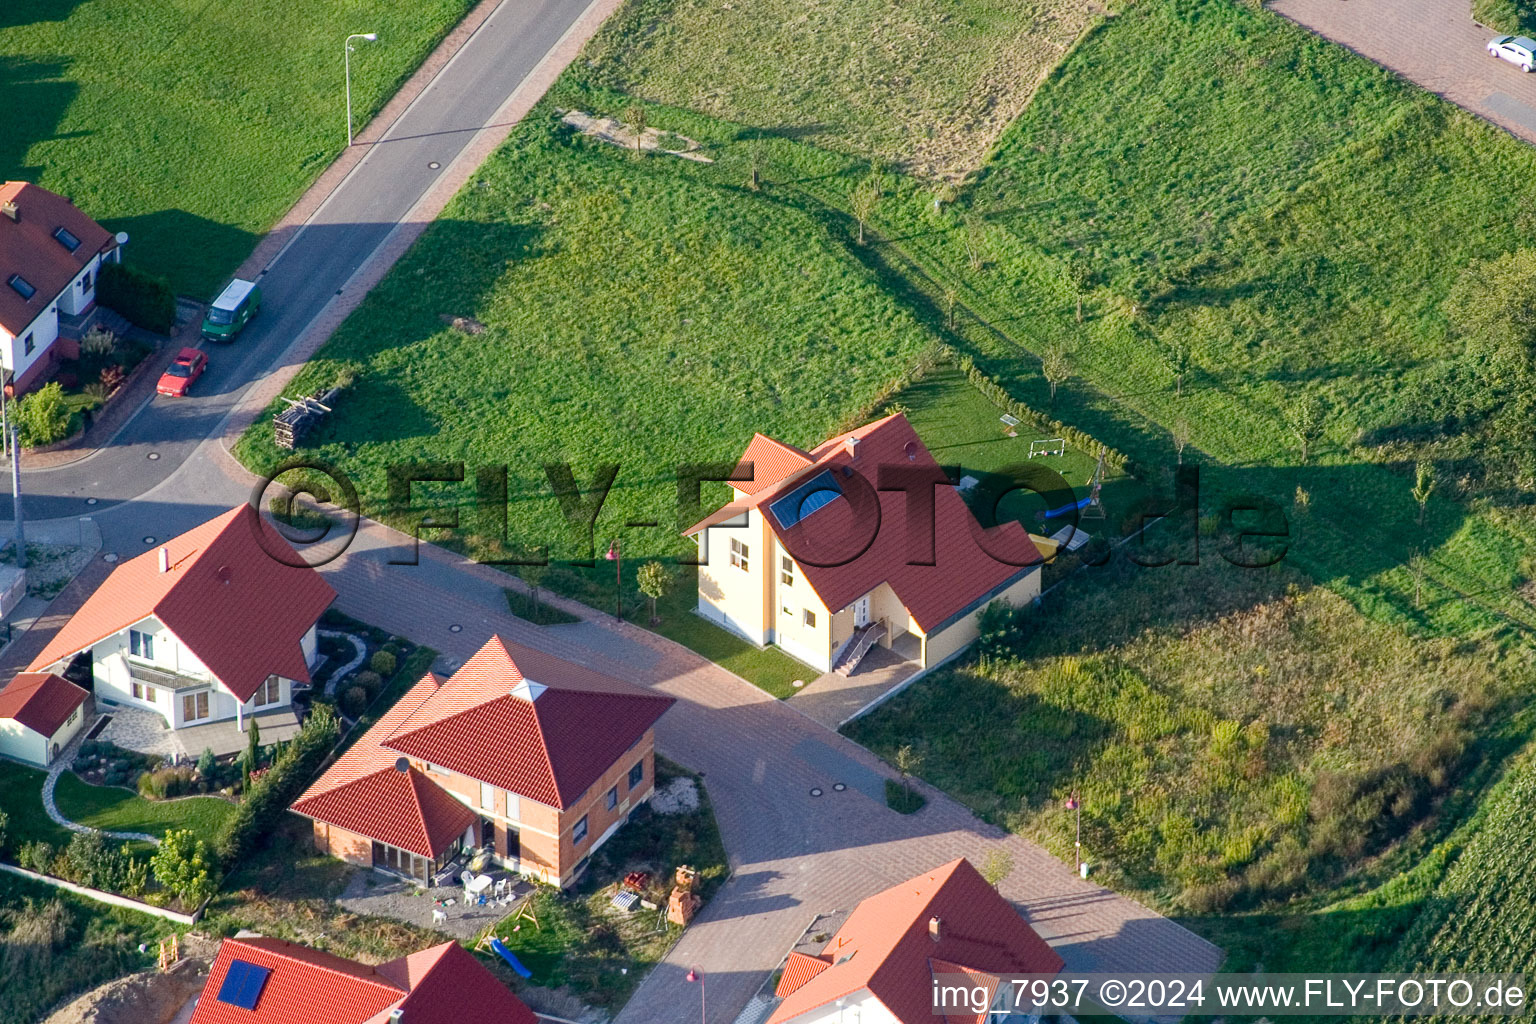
34, 94
181, 245
28, 12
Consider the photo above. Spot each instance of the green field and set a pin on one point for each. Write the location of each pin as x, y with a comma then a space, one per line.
643, 313
194, 126
114, 809
925, 84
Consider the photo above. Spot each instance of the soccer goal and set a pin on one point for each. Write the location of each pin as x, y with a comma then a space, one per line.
1051, 446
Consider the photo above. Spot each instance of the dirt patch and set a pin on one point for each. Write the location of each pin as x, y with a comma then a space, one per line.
149, 997
617, 133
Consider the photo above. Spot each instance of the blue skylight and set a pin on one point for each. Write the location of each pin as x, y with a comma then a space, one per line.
818, 492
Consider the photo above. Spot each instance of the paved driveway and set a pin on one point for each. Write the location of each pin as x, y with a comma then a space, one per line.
1433, 43
793, 855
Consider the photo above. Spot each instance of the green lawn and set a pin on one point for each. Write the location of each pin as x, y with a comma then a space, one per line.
536, 611
928, 84
21, 799
643, 313
193, 126
114, 809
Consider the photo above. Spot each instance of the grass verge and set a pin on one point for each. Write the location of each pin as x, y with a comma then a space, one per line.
114, 809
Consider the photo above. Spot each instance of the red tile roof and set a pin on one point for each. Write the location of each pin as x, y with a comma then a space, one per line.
441, 985
799, 968
771, 462
28, 248
405, 809
963, 572
886, 946
551, 749
41, 701
241, 611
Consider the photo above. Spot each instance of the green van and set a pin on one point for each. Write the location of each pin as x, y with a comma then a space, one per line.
232, 310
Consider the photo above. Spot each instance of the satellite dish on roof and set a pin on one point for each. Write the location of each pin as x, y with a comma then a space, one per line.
911, 451
122, 238
402, 764
225, 574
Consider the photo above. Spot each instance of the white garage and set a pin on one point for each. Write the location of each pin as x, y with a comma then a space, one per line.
39, 714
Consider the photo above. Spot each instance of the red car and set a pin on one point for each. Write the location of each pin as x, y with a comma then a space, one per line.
178, 377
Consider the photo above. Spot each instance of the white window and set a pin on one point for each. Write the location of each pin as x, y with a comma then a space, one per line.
141, 644
786, 570
28, 345
143, 692
73, 717
270, 692
487, 797
786, 609
810, 619
611, 800
514, 807
580, 831
740, 555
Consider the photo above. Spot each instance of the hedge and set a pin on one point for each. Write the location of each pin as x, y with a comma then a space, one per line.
270, 795
1505, 15
145, 299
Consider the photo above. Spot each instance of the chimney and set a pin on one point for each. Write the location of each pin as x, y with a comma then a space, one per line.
9, 209
853, 447
396, 1016
165, 559
935, 929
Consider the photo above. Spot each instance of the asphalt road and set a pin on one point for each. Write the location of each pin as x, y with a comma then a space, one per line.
396, 172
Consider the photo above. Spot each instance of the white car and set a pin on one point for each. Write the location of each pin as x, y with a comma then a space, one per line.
1518, 50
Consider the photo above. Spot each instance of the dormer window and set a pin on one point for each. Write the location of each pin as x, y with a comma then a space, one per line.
67, 240
21, 286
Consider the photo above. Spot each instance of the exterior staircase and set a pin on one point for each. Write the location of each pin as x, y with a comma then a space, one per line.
862, 642
78, 325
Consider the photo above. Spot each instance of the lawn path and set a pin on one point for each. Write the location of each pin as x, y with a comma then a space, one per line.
62, 764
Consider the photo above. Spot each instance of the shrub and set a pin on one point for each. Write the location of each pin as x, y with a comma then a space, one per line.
4, 822
370, 681
36, 856
207, 764
1001, 630
184, 865
354, 701
268, 797
383, 663
89, 861
98, 341
1505, 15
163, 783
42, 416
111, 378
145, 299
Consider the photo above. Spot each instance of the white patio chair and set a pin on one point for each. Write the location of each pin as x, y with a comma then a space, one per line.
439, 917
501, 887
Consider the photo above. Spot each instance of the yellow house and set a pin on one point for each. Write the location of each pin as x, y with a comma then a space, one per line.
858, 542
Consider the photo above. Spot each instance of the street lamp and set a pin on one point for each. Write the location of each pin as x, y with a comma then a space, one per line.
347, 61
694, 974
1076, 806
618, 584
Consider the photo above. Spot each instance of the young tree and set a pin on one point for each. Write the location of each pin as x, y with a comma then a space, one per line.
950, 298
533, 575
975, 241
755, 159
252, 748
1178, 362
634, 117
1056, 367
654, 581
1181, 437
185, 866
908, 763
1305, 417
864, 199
996, 866
1423, 487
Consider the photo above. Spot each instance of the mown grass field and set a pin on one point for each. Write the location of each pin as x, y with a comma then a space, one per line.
927, 84
193, 126
115, 809
1239, 737
21, 800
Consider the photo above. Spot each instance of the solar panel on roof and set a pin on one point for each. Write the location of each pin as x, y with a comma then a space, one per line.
816, 493
243, 983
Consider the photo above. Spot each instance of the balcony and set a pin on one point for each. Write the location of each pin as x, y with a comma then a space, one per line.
164, 678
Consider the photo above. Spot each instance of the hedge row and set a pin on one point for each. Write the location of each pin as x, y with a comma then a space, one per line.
270, 795
1505, 15
146, 300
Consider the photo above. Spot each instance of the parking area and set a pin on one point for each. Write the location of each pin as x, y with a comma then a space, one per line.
1433, 43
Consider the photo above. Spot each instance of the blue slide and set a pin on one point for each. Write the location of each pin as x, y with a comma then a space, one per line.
511, 958
1070, 507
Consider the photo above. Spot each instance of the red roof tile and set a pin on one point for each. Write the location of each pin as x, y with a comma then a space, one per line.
963, 571
551, 748
771, 462
799, 968
886, 945
241, 611
41, 701
28, 248
444, 984
405, 809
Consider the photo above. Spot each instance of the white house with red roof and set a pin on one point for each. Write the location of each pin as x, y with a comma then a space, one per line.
39, 714
210, 630
258, 980
50, 260
858, 542
530, 757
882, 965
